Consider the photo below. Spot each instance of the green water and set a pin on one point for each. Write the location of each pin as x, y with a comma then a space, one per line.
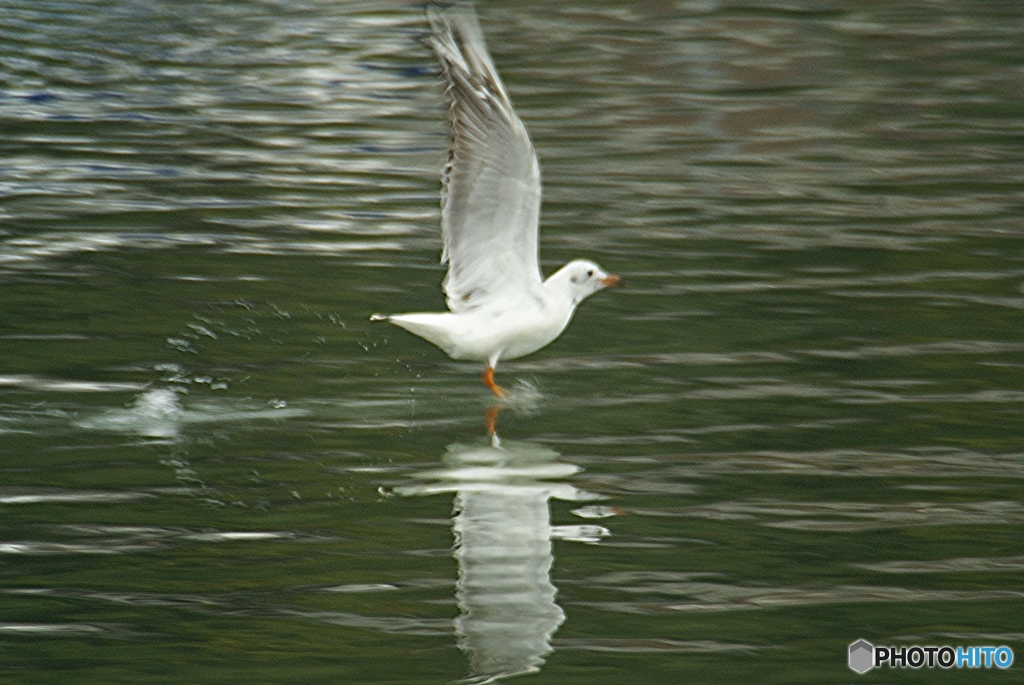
797, 426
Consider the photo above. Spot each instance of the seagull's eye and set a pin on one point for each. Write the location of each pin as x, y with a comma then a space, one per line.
590, 272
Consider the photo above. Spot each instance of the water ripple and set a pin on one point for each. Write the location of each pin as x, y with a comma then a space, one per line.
642, 646
920, 463
11, 495
956, 565
691, 593
60, 629
855, 516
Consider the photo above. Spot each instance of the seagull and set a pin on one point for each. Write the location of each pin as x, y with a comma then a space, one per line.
499, 306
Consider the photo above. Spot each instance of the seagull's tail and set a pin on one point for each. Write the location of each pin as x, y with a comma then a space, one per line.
380, 317
435, 328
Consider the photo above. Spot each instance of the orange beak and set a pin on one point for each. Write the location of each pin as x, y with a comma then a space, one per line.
610, 280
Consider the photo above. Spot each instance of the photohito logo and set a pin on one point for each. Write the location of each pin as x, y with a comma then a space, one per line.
864, 656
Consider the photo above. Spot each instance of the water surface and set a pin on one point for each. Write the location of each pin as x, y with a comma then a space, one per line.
797, 426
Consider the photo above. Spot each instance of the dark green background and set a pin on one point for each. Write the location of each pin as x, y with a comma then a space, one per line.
805, 407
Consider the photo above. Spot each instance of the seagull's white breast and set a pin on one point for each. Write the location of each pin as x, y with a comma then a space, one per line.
508, 333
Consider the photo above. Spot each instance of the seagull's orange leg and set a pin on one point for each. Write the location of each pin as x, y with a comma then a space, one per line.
488, 379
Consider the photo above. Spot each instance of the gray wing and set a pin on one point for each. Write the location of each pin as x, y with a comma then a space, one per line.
490, 194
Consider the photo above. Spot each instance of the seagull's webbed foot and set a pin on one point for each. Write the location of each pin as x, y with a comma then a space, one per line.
488, 379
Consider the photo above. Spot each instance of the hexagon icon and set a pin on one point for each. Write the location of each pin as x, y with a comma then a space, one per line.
862, 656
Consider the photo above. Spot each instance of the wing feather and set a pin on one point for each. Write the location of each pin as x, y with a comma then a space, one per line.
490, 193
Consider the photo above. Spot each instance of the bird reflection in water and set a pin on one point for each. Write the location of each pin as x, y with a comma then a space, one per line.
503, 533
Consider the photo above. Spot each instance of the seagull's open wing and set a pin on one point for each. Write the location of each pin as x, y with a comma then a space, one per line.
490, 195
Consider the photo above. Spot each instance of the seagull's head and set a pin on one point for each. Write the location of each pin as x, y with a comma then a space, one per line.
584, 278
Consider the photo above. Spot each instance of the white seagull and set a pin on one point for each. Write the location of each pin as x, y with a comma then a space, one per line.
499, 306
